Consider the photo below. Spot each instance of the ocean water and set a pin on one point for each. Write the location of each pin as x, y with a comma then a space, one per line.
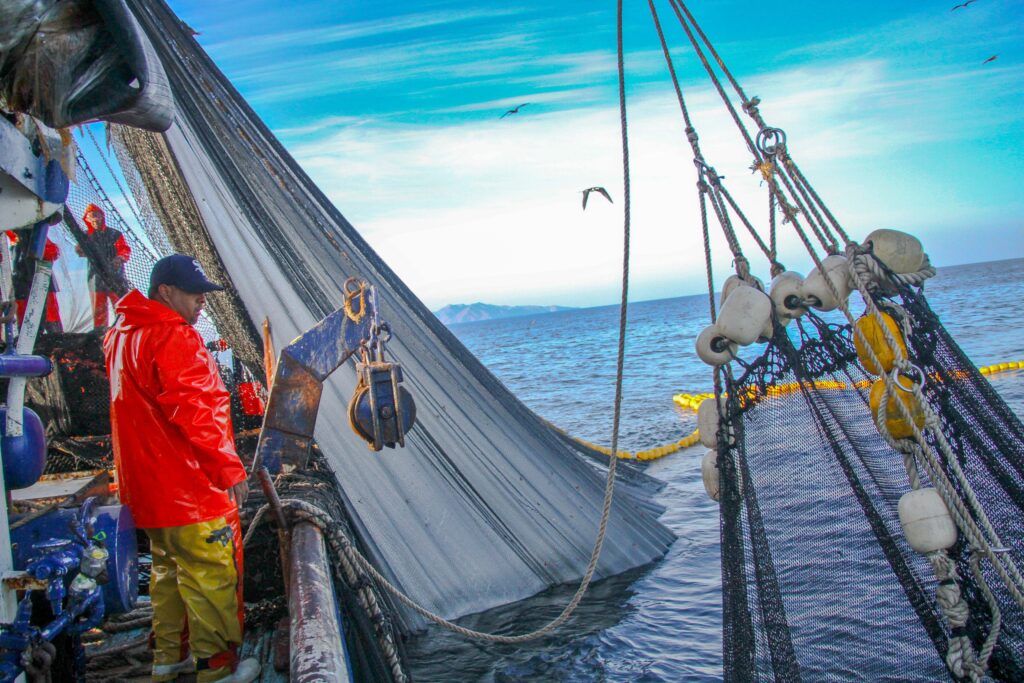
661, 622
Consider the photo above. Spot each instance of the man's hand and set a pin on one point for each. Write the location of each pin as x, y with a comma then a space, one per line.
239, 492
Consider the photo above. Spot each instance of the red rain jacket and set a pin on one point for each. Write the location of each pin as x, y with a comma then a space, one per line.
120, 247
170, 416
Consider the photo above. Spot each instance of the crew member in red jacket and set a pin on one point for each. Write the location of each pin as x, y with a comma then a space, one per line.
106, 248
24, 270
179, 473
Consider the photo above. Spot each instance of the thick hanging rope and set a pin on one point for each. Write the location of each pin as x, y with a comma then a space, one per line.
344, 546
967, 512
822, 231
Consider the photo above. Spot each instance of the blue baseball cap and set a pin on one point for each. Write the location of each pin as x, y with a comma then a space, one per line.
183, 272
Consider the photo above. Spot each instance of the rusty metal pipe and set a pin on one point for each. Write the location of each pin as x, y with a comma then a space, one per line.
284, 541
317, 647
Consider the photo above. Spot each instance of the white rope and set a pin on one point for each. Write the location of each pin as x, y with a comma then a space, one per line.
960, 657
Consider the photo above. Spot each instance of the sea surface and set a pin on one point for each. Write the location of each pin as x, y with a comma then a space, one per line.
661, 622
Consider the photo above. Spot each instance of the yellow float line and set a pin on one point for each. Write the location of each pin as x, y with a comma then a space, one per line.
649, 454
693, 401
1002, 367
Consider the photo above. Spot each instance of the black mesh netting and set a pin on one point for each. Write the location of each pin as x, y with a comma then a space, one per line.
818, 580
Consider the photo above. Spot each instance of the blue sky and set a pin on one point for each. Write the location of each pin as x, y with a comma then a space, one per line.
393, 109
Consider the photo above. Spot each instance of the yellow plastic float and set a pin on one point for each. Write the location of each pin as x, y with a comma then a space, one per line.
872, 331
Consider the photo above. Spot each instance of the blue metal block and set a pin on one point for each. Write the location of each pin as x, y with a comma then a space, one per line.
328, 344
114, 527
277, 447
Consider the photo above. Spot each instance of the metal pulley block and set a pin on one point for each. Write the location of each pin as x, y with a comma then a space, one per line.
381, 410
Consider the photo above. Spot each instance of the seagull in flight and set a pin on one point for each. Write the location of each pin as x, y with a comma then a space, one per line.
514, 110
586, 195
963, 4
991, 59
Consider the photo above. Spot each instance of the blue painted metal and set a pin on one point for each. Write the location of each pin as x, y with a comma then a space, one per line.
43, 178
113, 527
287, 434
66, 562
24, 457
14, 365
37, 238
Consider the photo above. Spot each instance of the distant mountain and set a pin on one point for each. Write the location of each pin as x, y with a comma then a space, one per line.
465, 313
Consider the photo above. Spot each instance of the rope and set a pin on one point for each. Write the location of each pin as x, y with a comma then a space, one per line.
346, 569
968, 514
676, 5
303, 511
875, 275
708, 181
128, 196
691, 136
750, 106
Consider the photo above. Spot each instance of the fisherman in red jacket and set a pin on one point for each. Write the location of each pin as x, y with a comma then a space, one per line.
24, 270
178, 472
108, 245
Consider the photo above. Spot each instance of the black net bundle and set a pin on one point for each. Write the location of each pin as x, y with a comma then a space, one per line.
819, 582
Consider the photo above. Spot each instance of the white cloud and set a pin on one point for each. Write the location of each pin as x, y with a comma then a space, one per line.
490, 210
388, 27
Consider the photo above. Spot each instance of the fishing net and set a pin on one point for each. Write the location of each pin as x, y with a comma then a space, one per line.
819, 581
73, 401
481, 477
819, 444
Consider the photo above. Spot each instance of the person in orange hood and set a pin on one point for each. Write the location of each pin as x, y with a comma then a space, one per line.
109, 246
24, 270
179, 473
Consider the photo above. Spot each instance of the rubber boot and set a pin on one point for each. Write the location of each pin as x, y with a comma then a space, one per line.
247, 670
170, 672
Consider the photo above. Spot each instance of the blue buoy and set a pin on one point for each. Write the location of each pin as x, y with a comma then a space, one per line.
24, 456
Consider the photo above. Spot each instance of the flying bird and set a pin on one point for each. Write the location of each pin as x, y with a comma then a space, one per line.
963, 4
991, 59
586, 195
514, 110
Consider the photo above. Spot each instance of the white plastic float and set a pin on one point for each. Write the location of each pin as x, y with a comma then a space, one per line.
714, 348
926, 521
787, 294
745, 315
900, 252
708, 417
709, 471
833, 269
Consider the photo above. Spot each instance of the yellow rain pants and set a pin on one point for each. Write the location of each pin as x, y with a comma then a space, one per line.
196, 591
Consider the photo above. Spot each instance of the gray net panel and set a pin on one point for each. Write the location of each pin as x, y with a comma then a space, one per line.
485, 505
